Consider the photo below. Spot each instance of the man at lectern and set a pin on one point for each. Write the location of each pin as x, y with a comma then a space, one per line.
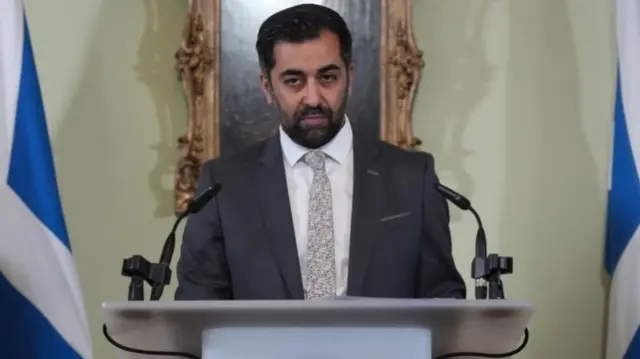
317, 210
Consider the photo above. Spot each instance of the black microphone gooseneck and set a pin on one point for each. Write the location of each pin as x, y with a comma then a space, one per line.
158, 275
486, 270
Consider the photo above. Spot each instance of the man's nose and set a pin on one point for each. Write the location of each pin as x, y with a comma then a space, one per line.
312, 94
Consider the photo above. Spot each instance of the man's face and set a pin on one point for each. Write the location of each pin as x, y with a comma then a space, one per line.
309, 86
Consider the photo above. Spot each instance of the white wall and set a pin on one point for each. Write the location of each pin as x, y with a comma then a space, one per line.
515, 102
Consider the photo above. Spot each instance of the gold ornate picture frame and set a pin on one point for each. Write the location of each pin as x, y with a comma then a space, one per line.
198, 64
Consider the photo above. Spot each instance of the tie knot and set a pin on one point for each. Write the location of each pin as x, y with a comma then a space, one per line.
315, 160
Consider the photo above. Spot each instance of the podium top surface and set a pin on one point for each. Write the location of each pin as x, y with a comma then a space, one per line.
457, 325
351, 307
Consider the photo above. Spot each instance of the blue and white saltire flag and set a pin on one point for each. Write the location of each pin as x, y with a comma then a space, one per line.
42, 313
622, 250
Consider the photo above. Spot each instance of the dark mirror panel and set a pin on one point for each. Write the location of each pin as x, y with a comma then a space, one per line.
245, 116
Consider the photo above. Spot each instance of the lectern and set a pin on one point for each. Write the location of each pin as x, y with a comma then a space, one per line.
336, 328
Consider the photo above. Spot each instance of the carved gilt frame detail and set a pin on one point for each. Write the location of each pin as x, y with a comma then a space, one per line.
197, 62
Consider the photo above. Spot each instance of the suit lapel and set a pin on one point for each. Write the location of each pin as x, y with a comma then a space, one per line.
273, 200
368, 176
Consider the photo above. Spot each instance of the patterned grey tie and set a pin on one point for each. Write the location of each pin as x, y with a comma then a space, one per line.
321, 269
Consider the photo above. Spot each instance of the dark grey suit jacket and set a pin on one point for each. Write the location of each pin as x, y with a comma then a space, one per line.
242, 244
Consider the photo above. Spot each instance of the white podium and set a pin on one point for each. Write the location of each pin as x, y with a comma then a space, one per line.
337, 328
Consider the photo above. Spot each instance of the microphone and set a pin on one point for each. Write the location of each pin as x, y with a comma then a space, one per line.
486, 270
158, 275
169, 245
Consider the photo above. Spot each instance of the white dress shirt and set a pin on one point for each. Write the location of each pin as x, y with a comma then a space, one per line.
339, 166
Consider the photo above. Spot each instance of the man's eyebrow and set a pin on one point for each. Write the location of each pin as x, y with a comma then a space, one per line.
291, 72
298, 72
328, 68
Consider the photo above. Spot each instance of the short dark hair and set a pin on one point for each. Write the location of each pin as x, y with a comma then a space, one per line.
298, 24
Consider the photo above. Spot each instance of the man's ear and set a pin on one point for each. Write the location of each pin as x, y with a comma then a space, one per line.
267, 89
350, 77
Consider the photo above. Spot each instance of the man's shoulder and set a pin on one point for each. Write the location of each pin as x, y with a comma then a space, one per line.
250, 153
246, 156
411, 168
404, 157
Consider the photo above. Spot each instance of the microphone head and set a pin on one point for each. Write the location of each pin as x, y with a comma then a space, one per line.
456, 198
199, 202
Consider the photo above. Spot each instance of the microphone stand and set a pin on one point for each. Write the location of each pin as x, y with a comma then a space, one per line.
140, 270
488, 270
158, 275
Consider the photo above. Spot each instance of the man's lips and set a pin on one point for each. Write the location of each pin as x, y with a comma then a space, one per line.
314, 120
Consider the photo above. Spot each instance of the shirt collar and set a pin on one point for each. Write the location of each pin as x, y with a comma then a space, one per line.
337, 149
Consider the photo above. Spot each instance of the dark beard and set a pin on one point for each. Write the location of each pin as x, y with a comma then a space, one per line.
318, 136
